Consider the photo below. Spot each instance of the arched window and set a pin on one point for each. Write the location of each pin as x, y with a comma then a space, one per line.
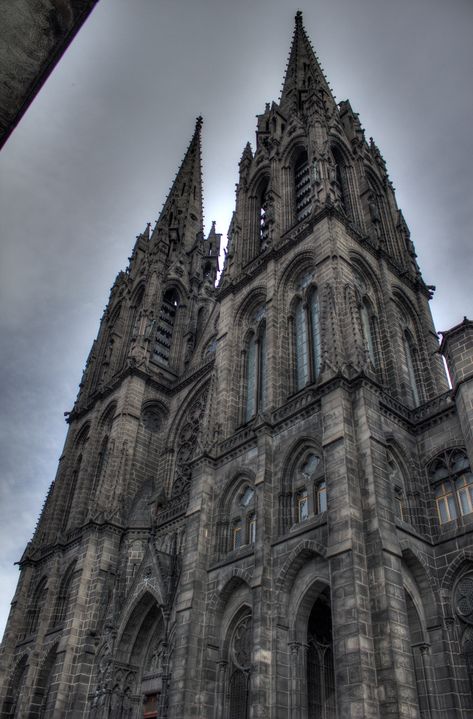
255, 366
320, 667
341, 180
44, 694
11, 704
306, 323
366, 301
239, 668
242, 518
452, 483
263, 214
136, 311
412, 364
101, 463
367, 324
70, 492
165, 328
37, 604
306, 491
303, 192
63, 597
418, 647
397, 483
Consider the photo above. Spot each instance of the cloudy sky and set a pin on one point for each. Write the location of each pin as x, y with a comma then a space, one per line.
94, 156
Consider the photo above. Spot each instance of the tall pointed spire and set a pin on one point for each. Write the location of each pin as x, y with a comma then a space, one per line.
183, 209
303, 72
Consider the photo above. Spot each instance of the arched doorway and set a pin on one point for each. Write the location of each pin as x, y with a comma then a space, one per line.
320, 668
133, 682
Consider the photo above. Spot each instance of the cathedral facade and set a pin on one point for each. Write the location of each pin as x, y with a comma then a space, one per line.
264, 506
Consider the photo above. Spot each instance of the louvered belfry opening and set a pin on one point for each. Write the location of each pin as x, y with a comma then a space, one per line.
302, 187
164, 332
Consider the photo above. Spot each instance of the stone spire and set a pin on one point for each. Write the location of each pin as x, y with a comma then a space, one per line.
182, 212
303, 72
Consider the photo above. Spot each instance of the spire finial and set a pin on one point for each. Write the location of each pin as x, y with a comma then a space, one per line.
198, 123
303, 70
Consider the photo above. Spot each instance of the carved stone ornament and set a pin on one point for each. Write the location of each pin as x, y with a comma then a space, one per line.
464, 598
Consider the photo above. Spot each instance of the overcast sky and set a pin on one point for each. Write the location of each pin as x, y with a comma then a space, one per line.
92, 160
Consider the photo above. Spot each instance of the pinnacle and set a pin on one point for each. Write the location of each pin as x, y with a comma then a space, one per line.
183, 206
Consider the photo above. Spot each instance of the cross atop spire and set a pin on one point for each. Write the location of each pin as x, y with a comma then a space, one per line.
303, 72
183, 209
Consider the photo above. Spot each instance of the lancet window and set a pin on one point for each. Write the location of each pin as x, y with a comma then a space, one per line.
136, 312
256, 366
412, 363
239, 669
37, 604
303, 191
396, 479
11, 704
165, 328
419, 654
320, 667
341, 181
242, 520
306, 332
368, 321
263, 215
305, 491
452, 482
63, 597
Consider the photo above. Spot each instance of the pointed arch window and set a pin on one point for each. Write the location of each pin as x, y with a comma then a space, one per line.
305, 493
101, 463
341, 180
367, 324
70, 492
136, 312
303, 191
412, 364
165, 328
320, 665
62, 600
306, 323
37, 604
263, 214
242, 518
239, 669
397, 483
452, 481
256, 367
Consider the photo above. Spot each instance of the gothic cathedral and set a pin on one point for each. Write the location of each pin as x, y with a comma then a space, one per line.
264, 506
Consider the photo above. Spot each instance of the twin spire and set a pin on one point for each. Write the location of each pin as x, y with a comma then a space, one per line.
183, 208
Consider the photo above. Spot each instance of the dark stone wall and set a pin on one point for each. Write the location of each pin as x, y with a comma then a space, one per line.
35, 34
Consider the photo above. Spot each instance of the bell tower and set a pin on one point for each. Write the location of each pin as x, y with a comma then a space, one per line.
264, 506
